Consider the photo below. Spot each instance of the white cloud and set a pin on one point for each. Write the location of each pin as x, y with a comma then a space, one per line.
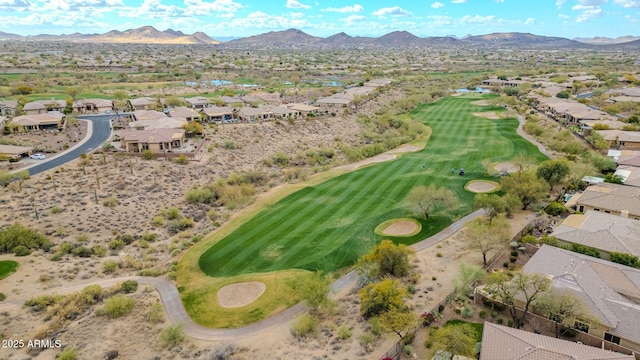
345, 9
203, 8
499, 1
437, 5
530, 21
352, 19
588, 14
559, 3
563, 16
14, 5
591, 2
628, 3
477, 19
458, 1
295, 4
392, 11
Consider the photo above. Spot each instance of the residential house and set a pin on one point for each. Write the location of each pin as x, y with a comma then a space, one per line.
15, 152
609, 198
139, 115
232, 101
281, 113
500, 83
93, 106
47, 121
8, 107
605, 232
304, 109
250, 114
44, 106
184, 112
270, 99
335, 101
198, 102
570, 112
144, 103
620, 139
155, 140
218, 114
610, 291
630, 175
506, 343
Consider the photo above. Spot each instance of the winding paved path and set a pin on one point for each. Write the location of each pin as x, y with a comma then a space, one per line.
178, 315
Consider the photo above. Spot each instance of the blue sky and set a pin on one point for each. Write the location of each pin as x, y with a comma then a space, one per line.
239, 18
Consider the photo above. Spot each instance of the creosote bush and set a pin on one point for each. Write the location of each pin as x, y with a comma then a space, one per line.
118, 305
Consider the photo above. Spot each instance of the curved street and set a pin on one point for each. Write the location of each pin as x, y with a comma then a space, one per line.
98, 131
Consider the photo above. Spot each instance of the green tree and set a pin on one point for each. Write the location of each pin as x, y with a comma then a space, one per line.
525, 287
380, 297
193, 128
315, 290
425, 200
625, 259
175, 102
559, 305
491, 203
525, 186
487, 236
553, 171
397, 321
468, 275
387, 259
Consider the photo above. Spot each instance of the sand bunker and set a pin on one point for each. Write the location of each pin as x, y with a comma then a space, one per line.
491, 115
240, 294
399, 227
506, 167
481, 186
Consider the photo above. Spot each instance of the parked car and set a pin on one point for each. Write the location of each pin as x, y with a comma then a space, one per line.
38, 156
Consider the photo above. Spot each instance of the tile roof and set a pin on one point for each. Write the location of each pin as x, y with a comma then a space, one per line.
151, 136
614, 197
605, 287
217, 110
505, 343
602, 231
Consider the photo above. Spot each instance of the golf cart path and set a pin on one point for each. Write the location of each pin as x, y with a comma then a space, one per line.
178, 315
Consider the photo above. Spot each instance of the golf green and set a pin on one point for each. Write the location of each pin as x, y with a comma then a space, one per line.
328, 226
7, 267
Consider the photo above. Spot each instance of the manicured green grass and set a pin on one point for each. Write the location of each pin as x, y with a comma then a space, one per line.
7, 267
327, 226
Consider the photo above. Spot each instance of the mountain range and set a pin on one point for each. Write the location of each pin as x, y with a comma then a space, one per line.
297, 39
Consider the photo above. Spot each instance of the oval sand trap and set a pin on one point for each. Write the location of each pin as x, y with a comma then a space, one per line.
399, 227
240, 294
507, 167
481, 186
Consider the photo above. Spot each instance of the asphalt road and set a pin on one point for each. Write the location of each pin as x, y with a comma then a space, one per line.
101, 131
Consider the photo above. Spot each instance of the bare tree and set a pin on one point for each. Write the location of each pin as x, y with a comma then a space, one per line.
523, 287
488, 236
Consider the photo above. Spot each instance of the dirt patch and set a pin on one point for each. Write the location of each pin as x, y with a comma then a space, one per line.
405, 149
481, 186
240, 294
399, 227
506, 167
491, 115
481, 103
369, 161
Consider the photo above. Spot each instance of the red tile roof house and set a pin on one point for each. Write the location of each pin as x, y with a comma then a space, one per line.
155, 140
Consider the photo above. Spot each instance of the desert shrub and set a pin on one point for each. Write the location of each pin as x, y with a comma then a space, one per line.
148, 155
555, 209
99, 250
16, 235
513, 258
2, 296
56, 210
173, 213
21, 250
82, 238
230, 145
40, 303
366, 338
171, 336
237, 196
344, 332
116, 244
467, 312
155, 313
482, 314
110, 266
68, 353
111, 201
224, 352
304, 325
149, 237
158, 221
182, 159
201, 196
82, 251
129, 286
118, 305
175, 226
